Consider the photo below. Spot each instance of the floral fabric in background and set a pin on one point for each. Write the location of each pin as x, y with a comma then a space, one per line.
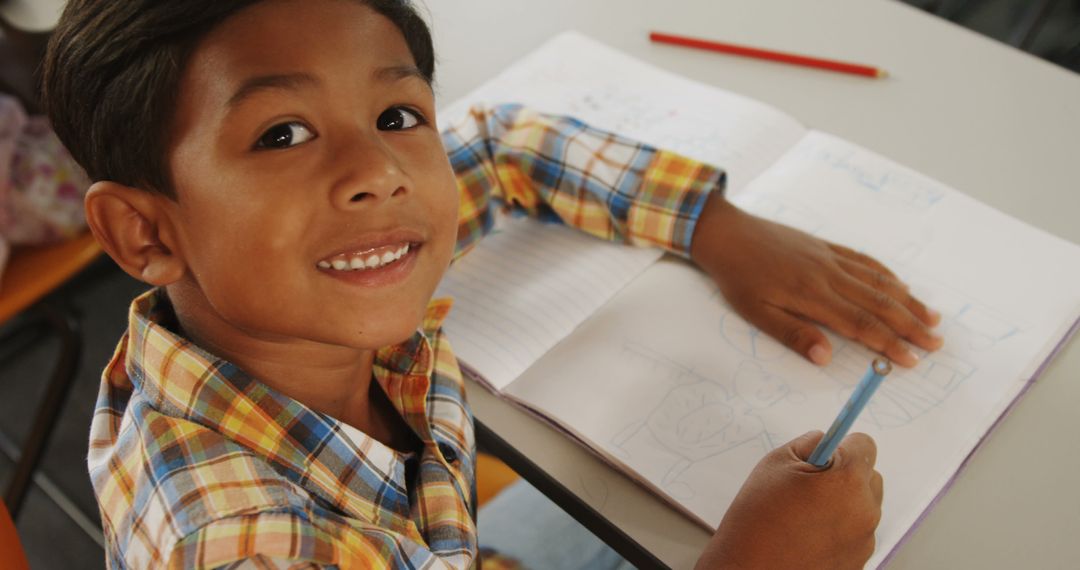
41, 186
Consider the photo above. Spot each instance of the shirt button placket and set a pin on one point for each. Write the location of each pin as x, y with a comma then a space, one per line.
448, 452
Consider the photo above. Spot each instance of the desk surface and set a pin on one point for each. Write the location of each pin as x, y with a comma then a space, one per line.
993, 122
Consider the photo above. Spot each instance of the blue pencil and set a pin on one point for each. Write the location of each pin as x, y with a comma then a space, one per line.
822, 455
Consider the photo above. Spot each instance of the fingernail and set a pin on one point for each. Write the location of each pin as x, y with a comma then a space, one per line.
934, 315
819, 355
912, 357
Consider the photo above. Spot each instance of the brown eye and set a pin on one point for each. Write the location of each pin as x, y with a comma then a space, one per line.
397, 119
284, 135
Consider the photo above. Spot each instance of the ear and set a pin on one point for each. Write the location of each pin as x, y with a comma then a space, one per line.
133, 228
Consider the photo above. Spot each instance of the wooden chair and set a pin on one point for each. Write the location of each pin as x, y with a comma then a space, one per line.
11, 551
492, 476
31, 274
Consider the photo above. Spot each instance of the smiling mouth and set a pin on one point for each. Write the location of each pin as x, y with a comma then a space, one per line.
376, 258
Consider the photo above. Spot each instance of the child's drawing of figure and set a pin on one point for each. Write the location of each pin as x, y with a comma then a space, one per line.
701, 418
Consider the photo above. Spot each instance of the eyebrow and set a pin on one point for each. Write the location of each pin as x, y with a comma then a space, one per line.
287, 81
299, 80
399, 72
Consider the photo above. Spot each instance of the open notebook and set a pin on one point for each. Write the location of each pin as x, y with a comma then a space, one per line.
639, 358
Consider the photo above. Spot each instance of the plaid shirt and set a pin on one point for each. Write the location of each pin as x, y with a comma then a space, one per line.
196, 464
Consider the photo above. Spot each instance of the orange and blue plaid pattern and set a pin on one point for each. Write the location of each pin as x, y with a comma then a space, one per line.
196, 464
560, 169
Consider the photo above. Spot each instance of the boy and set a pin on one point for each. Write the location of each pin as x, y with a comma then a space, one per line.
284, 397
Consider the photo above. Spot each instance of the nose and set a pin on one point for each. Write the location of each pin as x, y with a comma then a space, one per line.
368, 173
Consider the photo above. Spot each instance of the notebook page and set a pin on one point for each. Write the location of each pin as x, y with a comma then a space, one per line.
577, 76
526, 287
668, 381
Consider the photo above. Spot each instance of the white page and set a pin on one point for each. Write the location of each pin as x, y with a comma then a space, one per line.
575, 75
667, 380
526, 287
578, 76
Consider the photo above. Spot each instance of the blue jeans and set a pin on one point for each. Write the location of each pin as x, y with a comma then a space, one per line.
523, 524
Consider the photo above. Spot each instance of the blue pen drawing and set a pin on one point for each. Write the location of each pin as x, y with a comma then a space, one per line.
629, 111
969, 327
907, 393
902, 255
699, 417
979, 327
892, 186
681, 131
748, 339
785, 212
694, 133
967, 323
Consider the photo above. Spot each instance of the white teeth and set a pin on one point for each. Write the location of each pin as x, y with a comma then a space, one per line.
370, 262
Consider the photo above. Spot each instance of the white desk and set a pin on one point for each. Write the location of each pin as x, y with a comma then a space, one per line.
982, 117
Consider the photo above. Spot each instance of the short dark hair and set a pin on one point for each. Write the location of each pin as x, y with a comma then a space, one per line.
111, 73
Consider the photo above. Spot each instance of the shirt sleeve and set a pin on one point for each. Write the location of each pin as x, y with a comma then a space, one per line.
560, 169
293, 541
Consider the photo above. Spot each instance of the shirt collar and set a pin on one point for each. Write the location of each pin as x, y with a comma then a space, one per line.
151, 318
414, 356
183, 380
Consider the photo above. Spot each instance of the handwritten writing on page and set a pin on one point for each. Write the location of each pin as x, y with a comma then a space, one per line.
622, 95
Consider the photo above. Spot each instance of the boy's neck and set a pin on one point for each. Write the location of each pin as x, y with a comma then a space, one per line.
333, 380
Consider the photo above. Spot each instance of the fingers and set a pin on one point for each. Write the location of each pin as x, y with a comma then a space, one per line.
851, 293
804, 445
859, 450
854, 322
858, 446
895, 312
897, 290
866, 260
794, 332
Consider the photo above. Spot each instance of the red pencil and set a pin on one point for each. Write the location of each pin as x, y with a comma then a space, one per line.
791, 58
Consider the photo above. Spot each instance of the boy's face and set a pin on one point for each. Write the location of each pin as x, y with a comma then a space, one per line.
304, 145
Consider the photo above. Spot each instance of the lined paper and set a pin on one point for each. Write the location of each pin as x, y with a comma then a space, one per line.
526, 287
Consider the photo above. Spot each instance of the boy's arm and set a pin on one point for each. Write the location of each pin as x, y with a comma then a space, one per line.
560, 169
781, 280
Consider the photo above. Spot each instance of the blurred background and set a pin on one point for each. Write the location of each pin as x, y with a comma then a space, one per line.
1049, 29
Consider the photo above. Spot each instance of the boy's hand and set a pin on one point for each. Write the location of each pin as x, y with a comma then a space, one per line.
790, 515
782, 280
